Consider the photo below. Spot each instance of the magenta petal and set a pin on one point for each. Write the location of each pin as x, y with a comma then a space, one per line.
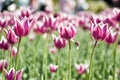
11, 74
19, 75
26, 27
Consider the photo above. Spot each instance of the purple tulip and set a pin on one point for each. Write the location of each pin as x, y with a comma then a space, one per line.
111, 37
99, 31
14, 52
59, 42
10, 75
4, 44
81, 68
67, 31
53, 68
22, 28
3, 64
3, 23
11, 36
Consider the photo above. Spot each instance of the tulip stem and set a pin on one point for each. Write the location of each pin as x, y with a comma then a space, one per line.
44, 61
58, 63
114, 67
3, 64
91, 60
105, 62
69, 53
10, 61
16, 59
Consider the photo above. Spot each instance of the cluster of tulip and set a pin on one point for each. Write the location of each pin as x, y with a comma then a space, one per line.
103, 27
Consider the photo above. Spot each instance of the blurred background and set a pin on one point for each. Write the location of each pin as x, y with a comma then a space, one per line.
68, 6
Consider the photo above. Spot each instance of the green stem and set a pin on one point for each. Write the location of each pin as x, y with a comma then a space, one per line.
114, 68
58, 63
105, 62
69, 54
10, 61
44, 61
16, 59
91, 60
3, 65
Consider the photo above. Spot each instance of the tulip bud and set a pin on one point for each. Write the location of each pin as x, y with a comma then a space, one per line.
3, 64
59, 42
68, 31
111, 37
81, 68
53, 68
4, 44
14, 52
3, 23
11, 37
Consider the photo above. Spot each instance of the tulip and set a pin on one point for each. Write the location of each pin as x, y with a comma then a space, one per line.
4, 44
10, 75
25, 13
22, 28
99, 31
3, 23
53, 68
3, 64
81, 68
68, 31
111, 37
59, 42
14, 52
11, 36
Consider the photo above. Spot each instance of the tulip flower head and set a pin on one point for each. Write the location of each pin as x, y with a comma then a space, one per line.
59, 42
53, 68
81, 68
3, 23
25, 13
67, 31
111, 37
3, 64
11, 36
22, 28
99, 31
4, 44
10, 75
14, 52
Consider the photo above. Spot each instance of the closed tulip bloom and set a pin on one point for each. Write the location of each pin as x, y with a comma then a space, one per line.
111, 37
4, 44
67, 31
53, 68
25, 13
11, 36
99, 31
10, 75
59, 42
3, 64
3, 23
22, 28
14, 52
81, 68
